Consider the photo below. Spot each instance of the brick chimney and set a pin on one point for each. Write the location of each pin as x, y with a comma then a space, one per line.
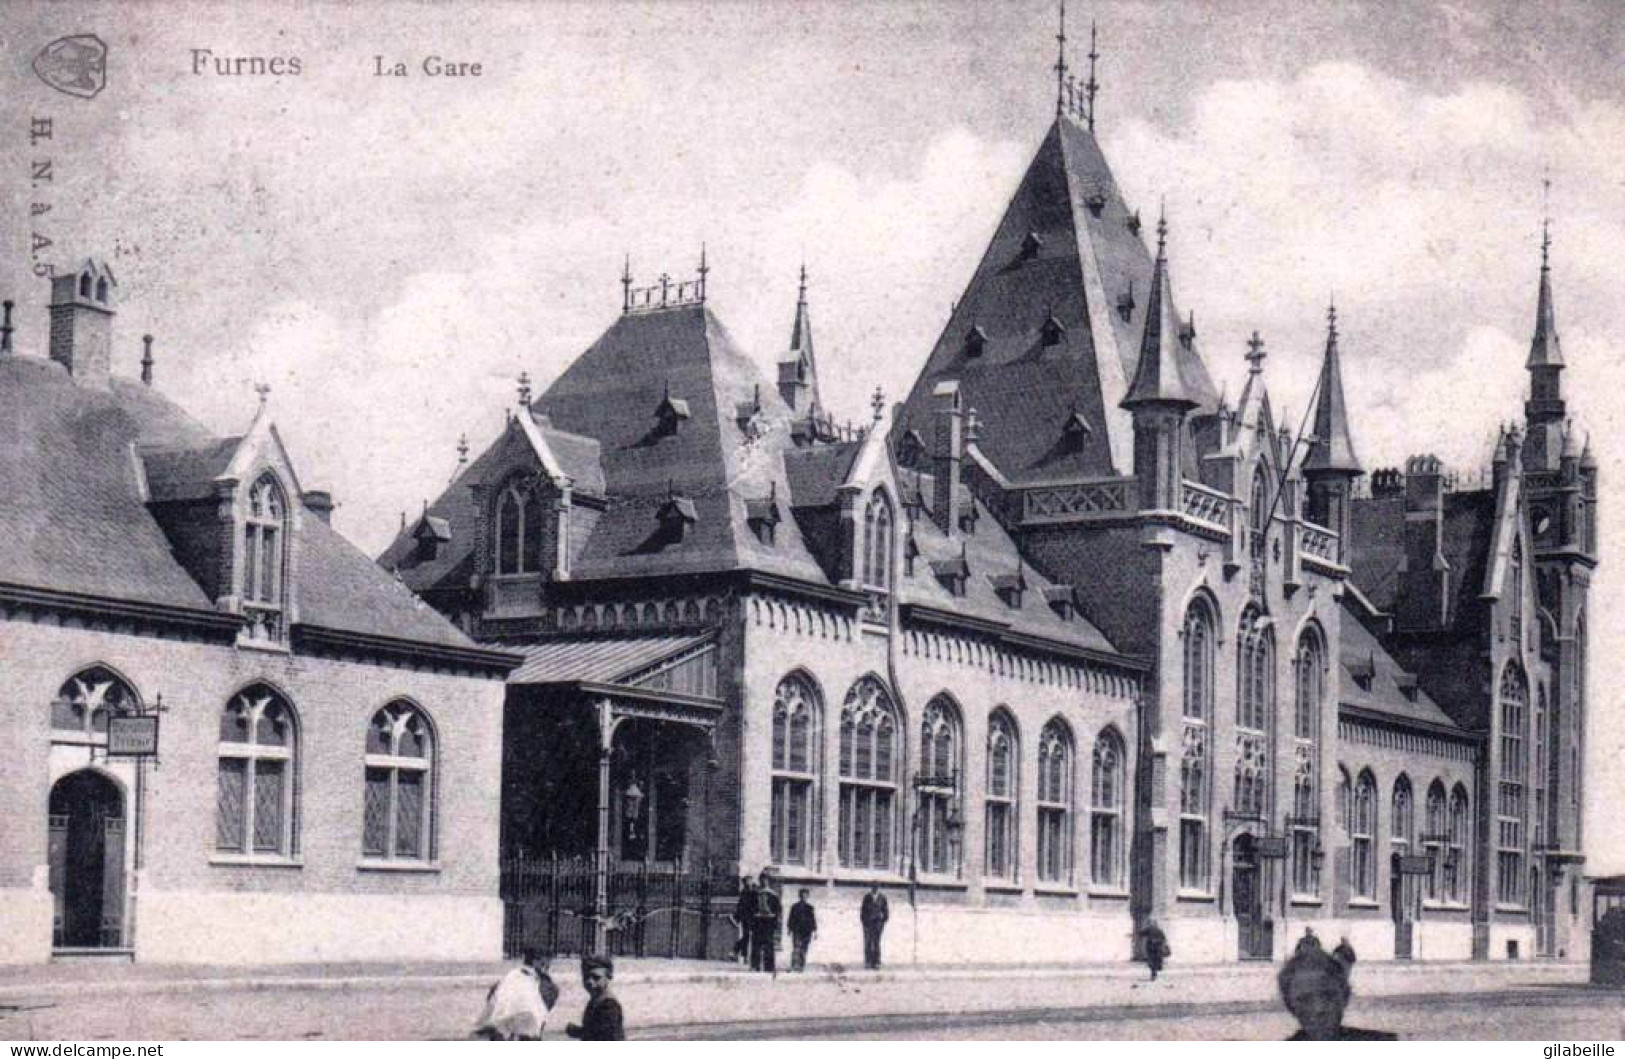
82, 323
1425, 602
947, 451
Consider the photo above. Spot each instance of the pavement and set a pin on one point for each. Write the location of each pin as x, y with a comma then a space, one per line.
666, 998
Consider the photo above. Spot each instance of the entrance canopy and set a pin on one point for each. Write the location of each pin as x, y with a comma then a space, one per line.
666, 678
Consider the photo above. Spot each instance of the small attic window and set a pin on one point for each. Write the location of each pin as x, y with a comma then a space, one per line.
1061, 601
101, 290
1011, 588
671, 412
1075, 429
1126, 303
1134, 222
84, 285
975, 342
911, 551
1031, 245
952, 574
1364, 672
762, 515
1096, 203
1407, 686
1052, 332
432, 534
676, 515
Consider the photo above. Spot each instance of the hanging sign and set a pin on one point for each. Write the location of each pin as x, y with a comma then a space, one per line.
1415, 864
132, 735
1271, 847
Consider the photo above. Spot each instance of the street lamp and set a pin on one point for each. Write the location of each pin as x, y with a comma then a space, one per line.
632, 807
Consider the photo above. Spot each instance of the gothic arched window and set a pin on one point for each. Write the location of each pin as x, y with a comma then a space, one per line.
398, 816
798, 709
265, 540
521, 523
877, 541
1255, 656
938, 787
1003, 796
1362, 837
1106, 835
1434, 837
1055, 757
257, 793
85, 701
869, 756
1455, 864
1200, 649
1509, 831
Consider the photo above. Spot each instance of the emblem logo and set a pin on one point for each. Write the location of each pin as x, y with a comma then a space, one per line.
75, 65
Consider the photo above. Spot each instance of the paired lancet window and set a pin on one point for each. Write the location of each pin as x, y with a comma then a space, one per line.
398, 817
797, 710
868, 768
1200, 651
877, 543
256, 795
1003, 796
265, 541
520, 523
1055, 765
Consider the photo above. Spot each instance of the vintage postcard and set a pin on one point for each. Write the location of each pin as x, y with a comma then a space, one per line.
852, 521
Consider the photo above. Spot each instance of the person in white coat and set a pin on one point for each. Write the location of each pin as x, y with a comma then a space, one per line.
517, 1007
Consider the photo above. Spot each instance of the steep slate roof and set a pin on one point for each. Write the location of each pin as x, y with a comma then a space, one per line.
1085, 259
75, 521
1332, 448
1157, 378
1545, 350
1361, 655
1466, 539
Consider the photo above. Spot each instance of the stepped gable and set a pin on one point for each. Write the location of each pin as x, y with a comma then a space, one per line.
1067, 248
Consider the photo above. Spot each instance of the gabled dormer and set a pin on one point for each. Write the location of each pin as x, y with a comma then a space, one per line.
233, 512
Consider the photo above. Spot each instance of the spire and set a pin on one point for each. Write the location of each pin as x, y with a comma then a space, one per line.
1332, 446
798, 371
1156, 377
1544, 349
1060, 65
1092, 88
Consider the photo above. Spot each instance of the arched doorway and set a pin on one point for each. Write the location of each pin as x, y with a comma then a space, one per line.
1255, 932
86, 854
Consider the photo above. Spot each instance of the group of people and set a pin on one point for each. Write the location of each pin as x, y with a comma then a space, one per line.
1315, 987
517, 1007
759, 917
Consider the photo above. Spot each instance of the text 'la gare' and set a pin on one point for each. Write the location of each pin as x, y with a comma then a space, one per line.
432, 66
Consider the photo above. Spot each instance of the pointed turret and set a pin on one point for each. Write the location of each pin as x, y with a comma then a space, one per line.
798, 372
1332, 448
1157, 378
1545, 410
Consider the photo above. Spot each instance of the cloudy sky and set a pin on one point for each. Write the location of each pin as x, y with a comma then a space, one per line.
388, 253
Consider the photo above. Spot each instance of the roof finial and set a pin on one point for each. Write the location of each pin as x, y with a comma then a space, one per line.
877, 401
704, 269
5, 327
1255, 354
1546, 223
524, 389
1162, 229
264, 390
146, 359
462, 449
801, 293
1060, 65
1331, 318
626, 285
1092, 89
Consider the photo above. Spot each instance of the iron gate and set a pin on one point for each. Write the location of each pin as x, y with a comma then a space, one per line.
661, 910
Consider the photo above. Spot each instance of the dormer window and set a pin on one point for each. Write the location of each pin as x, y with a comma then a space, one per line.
763, 515
953, 574
877, 543
265, 539
432, 534
84, 285
1011, 588
1052, 332
1126, 303
520, 524
1096, 203
975, 342
967, 519
676, 515
1061, 601
671, 412
911, 449
1031, 245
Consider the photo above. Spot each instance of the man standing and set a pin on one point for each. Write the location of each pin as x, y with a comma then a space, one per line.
745, 920
874, 913
764, 937
601, 1021
803, 926
1156, 947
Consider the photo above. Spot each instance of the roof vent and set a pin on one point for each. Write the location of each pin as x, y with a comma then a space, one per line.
975, 342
